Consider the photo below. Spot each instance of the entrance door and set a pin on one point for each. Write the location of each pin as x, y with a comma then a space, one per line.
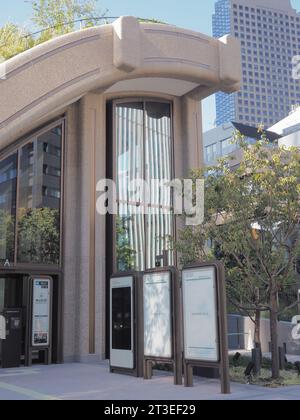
16, 292
12, 308
122, 332
11, 348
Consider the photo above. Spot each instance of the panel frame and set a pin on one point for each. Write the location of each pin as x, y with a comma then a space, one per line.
116, 355
143, 100
223, 364
186, 324
137, 324
176, 333
16, 148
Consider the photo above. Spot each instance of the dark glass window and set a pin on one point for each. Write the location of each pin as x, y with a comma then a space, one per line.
8, 189
121, 319
39, 199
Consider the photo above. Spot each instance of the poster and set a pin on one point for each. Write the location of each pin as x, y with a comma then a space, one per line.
201, 336
41, 313
157, 315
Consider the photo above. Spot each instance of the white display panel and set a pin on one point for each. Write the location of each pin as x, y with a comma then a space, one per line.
157, 315
200, 314
41, 312
122, 323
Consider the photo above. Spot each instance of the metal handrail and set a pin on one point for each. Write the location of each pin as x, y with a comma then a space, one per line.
64, 24
72, 22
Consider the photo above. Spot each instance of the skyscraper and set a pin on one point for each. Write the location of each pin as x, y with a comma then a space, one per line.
269, 31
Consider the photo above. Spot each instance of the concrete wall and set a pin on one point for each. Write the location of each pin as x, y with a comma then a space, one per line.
241, 334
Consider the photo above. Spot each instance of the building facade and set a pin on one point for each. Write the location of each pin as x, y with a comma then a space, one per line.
289, 129
117, 102
220, 142
269, 31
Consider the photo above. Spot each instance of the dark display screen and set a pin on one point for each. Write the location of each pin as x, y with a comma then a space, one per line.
121, 319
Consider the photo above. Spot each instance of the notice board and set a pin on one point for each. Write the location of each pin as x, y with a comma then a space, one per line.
200, 313
41, 322
158, 315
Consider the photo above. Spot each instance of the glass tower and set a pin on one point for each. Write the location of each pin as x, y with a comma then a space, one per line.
269, 31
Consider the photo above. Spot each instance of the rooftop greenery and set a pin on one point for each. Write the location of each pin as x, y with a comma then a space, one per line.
49, 19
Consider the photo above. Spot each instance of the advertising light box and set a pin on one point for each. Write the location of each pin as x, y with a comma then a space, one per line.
157, 315
41, 313
200, 314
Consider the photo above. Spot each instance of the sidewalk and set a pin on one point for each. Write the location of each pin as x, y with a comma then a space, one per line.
94, 382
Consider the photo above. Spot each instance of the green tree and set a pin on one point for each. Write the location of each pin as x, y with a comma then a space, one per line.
7, 236
39, 236
14, 40
52, 18
59, 15
252, 217
126, 255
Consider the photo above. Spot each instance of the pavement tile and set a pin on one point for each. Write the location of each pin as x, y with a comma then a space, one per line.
94, 382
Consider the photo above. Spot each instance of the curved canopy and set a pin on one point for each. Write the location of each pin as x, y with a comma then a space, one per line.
116, 57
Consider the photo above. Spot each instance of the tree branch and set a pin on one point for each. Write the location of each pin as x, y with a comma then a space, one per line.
289, 307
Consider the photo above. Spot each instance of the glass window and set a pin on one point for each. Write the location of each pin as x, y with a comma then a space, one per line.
8, 190
227, 147
143, 153
211, 153
39, 199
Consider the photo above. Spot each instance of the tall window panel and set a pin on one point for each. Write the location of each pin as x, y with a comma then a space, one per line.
143, 145
130, 240
158, 171
8, 191
39, 199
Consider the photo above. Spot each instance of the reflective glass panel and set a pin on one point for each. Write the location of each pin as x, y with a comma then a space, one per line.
143, 168
39, 199
8, 188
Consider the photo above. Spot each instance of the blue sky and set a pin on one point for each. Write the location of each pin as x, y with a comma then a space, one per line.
196, 15
191, 14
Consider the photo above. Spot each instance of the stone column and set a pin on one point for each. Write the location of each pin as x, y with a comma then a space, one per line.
84, 270
71, 216
191, 134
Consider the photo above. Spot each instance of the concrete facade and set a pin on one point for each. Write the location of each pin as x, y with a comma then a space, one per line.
241, 330
220, 141
289, 129
74, 76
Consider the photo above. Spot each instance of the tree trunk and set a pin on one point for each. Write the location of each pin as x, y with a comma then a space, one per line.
257, 339
274, 335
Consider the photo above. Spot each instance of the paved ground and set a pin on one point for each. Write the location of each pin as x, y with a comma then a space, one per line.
94, 382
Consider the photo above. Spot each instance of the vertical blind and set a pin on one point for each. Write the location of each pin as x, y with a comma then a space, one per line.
144, 153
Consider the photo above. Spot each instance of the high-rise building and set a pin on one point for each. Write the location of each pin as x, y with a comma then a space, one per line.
269, 31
